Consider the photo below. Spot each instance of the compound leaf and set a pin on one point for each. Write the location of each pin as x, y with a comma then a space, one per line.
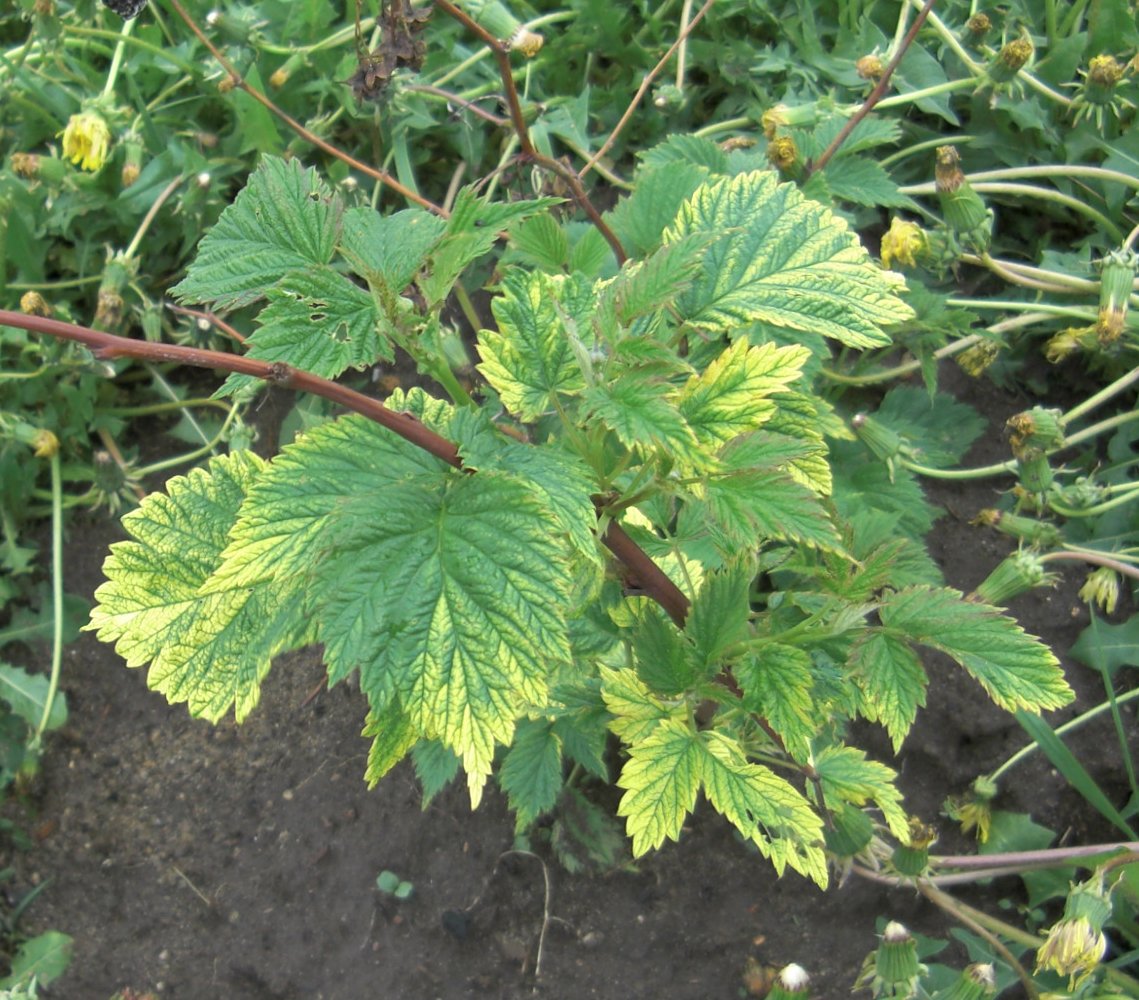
530, 360
661, 779
846, 774
531, 773
778, 684
893, 681
209, 650
636, 710
319, 321
765, 808
285, 219
1016, 669
731, 396
784, 260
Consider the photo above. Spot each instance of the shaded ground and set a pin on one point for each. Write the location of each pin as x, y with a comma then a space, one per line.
240, 862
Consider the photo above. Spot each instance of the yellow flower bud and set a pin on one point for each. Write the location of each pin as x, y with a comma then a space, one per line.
1102, 588
34, 304
45, 443
903, 243
86, 140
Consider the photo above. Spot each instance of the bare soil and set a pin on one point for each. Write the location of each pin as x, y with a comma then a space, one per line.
200, 862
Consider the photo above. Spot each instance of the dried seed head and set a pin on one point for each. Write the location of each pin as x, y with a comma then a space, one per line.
903, 243
34, 304
782, 152
869, 67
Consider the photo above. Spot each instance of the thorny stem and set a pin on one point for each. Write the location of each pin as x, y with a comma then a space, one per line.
514, 104
296, 126
646, 573
644, 87
875, 95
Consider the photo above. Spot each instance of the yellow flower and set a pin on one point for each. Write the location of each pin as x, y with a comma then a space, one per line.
903, 243
86, 140
1102, 588
1073, 948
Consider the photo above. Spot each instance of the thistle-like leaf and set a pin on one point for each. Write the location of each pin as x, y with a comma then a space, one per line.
1016, 669
209, 650
285, 219
786, 261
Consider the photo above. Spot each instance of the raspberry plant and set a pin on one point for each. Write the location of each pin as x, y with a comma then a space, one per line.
627, 526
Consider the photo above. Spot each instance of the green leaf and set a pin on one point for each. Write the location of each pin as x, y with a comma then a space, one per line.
664, 659
685, 149
319, 321
530, 361
435, 766
44, 958
940, 429
388, 251
643, 414
863, 181
748, 502
559, 480
893, 680
461, 604
636, 710
531, 773
644, 287
777, 683
1073, 771
27, 625
718, 618
540, 242
661, 779
1107, 647
765, 808
392, 736
732, 395
26, 695
639, 220
210, 650
472, 230
342, 466
284, 220
785, 261
1016, 669
846, 774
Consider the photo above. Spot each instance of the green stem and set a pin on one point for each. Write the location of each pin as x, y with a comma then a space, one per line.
1106, 393
921, 147
192, 456
1075, 554
1100, 508
910, 96
1011, 305
900, 371
1067, 727
56, 595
